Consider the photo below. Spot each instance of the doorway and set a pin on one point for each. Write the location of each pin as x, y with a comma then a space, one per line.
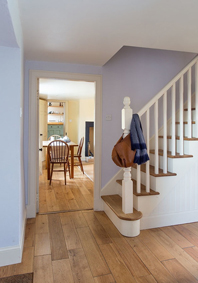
67, 104
33, 134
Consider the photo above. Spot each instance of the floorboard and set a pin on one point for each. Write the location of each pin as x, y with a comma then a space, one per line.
116, 264
178, 271
80, 267
178, 253
42, 244
178, 238
62, 271
43, 269
71, 236
58, 246
104, 279
156, 268
92, 251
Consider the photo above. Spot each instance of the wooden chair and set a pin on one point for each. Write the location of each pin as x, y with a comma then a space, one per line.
54, 137
58, 152
77, 157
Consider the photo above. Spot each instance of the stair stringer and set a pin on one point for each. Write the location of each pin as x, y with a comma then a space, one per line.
177, 202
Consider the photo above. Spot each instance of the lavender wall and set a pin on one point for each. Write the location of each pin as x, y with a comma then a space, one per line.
139, 73
11, 191
12, 203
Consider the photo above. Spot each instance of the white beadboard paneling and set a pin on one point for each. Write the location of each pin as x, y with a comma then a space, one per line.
182, 198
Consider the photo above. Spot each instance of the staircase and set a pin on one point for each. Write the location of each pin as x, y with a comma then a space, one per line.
164, 191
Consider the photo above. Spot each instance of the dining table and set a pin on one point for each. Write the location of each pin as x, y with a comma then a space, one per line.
71, 145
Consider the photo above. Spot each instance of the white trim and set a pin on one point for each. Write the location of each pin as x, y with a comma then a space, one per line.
168, 219
13, 255
23, 232
33, 133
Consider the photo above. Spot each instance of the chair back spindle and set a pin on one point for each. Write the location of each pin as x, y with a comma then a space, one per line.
58, 152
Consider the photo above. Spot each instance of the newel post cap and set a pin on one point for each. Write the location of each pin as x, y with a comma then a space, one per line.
127, 102
126, 114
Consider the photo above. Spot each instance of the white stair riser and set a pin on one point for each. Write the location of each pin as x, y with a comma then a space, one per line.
169, 144
175, 164
169, 148
152, 160
191, 147
155, 182
193, 130
186, 115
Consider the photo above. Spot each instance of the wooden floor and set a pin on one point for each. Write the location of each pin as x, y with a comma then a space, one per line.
89, 170
84, 246
77, 194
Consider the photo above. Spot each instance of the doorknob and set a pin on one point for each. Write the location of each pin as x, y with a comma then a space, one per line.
40, 149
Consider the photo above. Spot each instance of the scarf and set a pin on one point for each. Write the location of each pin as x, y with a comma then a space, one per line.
137, 141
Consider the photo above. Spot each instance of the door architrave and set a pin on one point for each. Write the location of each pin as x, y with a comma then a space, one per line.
33, 172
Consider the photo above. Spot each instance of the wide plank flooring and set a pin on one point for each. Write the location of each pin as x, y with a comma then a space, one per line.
77, 194
84, 246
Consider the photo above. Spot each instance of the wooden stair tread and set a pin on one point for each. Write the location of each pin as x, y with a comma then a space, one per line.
115, 203
186, 109
193, 122
178, 138
161, 153
143, 189
152, 171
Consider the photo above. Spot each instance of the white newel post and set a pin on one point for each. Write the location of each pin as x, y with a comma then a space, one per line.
127, 184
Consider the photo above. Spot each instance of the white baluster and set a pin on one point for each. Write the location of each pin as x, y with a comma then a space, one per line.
165, 132
181, 119
138, 176
148, 149
156, 138
138, 179
189, 104
173, 119
127, 184
196, 99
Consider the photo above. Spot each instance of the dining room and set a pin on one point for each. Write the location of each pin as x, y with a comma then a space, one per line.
65, 110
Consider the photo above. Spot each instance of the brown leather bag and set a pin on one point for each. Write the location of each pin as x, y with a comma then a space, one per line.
122, 155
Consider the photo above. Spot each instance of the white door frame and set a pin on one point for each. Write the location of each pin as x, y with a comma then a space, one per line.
33, 177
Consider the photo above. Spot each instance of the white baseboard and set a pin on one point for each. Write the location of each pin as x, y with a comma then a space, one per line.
169, 219
13, 255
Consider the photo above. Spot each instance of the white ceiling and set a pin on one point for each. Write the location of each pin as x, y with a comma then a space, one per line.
53, 89
92, 31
